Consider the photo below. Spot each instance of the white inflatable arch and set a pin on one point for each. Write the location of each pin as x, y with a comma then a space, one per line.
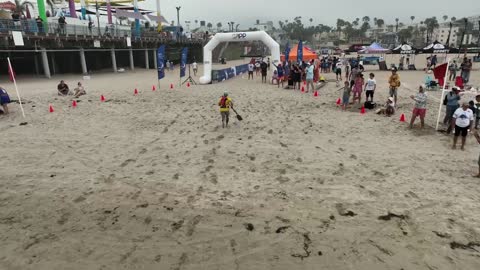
235, 37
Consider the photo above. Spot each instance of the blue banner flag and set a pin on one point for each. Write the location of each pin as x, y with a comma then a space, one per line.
287, 52
183, 63
161, 62
300, 52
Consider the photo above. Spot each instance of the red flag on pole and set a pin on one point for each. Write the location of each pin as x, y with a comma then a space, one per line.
440, 73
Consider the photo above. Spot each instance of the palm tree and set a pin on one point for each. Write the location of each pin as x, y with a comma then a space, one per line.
366, 19
412, 18
219, 25
380, 23
453, 19
196, 23
311, 20
445, 17
209, 25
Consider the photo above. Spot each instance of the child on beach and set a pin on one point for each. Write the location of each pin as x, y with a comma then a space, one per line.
370, 87
357, 88
347, 90
275, 77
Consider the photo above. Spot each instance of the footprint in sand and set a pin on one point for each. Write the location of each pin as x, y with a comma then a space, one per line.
126, 162
192, 224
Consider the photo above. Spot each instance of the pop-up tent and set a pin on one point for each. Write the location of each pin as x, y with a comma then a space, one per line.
404, 49
374, 48
437, 47
308, 54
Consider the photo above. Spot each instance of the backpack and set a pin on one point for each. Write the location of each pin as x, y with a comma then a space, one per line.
223, 102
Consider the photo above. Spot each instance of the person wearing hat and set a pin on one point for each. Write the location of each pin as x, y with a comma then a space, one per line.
451, 101
420, 108
394, 82
462, 122
225, 104
388, 109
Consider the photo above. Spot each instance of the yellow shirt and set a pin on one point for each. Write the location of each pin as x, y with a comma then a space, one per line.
394, 81
228, 103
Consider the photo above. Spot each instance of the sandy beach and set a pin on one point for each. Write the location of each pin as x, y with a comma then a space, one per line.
154, 182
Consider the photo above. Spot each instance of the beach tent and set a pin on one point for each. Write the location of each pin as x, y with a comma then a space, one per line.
405, 49
308, 54
375, 48
436, 47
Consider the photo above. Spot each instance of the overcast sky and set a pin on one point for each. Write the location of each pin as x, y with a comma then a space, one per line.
246, 12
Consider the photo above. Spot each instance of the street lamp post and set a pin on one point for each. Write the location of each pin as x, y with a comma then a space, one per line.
178, 21
236, 28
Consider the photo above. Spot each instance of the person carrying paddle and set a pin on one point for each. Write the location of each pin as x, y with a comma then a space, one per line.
225, 104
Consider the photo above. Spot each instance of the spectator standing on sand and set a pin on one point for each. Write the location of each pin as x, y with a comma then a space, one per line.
370, 87
309, 77
462, 122
420, 108
466, 68
452, 100
452, 69
251, 67
347, 91
358, 88
394, 82
264, 69
280, 74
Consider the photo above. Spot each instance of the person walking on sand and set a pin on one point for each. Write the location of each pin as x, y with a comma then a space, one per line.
420, 108
4, 100
462, 122
225, 104
394, 82
347, 91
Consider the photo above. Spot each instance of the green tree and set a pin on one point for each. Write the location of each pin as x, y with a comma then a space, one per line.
412, 18
380, 23
219, 25
453, 19
445, 17
406, 34
431, 24
209, 25
366, 19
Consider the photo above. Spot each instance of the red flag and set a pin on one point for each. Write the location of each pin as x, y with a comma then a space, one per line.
11, 73
440, 71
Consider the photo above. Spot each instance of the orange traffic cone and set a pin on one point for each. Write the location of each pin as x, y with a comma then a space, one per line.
171, 86
51, 109
362, 111
188, 84
402, 118
135, 92
315, 94
102, 98
74, 103
303, 89
339, 101
154, 88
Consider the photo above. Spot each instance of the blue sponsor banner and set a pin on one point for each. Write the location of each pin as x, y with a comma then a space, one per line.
183, 63
300, 52
161, 62
228, 73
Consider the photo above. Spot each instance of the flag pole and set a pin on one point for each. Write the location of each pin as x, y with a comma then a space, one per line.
15, 83
443, 94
